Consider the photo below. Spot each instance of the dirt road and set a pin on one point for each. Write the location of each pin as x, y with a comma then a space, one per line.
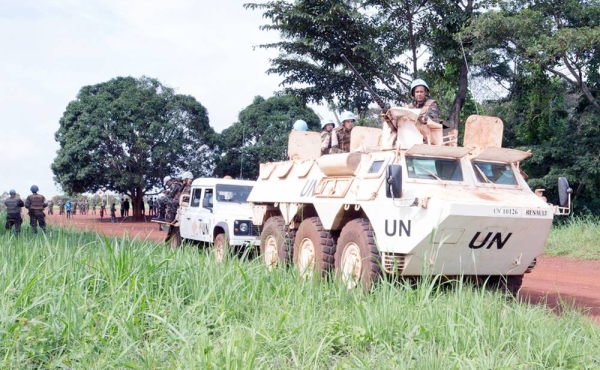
553, 280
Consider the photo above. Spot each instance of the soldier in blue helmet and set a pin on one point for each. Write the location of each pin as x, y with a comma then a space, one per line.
36, 203
344, 132
419, 90
13, 212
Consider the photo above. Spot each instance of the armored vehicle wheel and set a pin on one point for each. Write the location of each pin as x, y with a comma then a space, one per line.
220, 248
508, 284
274, 247
357, 260
173, 237
313, 248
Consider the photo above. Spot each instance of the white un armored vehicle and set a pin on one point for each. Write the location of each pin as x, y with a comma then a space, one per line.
406, 200
216, 213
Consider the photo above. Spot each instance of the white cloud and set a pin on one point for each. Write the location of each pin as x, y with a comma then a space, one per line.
50, 49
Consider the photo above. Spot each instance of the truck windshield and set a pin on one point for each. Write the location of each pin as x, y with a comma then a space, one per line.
232, 193
497, 173
434, 168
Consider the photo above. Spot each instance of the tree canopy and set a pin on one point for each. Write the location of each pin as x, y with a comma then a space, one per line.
126, 134
261, 135
389, 42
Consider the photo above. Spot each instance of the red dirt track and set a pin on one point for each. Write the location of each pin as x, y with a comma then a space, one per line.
554, 279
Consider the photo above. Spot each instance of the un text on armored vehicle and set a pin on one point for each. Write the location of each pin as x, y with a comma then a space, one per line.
216, 212
405, 200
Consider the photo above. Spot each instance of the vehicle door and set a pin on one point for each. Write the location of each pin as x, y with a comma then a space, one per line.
190, 216
206, 215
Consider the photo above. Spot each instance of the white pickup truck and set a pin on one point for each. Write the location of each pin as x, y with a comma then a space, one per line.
217, 213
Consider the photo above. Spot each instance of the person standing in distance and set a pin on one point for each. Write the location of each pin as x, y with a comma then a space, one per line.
13, 212
36, 203
343, 133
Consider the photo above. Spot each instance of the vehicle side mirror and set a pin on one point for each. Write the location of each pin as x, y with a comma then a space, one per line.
564, 192
564, 198
393, 176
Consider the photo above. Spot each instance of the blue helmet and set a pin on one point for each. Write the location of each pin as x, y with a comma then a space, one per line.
34, 188
300, 125
347, 115
418, 82
12, 192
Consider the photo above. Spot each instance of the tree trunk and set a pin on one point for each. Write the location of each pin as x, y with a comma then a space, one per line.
461, 95
137, 199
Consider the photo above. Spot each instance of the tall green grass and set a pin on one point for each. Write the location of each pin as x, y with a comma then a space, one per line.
82, 301
577, 238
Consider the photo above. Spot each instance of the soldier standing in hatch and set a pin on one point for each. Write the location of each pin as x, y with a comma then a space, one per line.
36, 203
343, 133
328, 138
419, 90
13, 212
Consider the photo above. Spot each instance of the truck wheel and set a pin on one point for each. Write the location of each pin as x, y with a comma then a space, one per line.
173, 237
313, 248
220, 248
357, 260
274, 247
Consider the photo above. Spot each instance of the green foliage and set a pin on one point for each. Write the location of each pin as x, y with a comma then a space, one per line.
560, 37
261, 135
387, 41
127, 133
81, 301
313, 36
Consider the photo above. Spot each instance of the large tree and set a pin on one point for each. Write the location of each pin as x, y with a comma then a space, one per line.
261, 135
390, 42
560, 37
547, 54
126, 134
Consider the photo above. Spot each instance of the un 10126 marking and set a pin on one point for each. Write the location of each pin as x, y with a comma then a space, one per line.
506, 212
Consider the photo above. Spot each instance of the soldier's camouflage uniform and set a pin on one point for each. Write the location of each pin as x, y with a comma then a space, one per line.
36, 203
429, 110
343, 138
13, 213
172, 200
329, 142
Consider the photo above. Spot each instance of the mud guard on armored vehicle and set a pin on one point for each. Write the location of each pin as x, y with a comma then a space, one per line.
404, 203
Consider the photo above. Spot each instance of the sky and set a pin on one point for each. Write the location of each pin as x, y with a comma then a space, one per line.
50, 49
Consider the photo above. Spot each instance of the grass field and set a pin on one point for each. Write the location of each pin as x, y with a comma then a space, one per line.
577, 238
77, 300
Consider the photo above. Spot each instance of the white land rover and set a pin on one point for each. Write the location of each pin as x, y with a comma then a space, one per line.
217, 213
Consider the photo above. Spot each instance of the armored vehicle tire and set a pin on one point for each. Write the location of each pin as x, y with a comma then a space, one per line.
173, 237
314, 248
357, 259
220, 248
274, 246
